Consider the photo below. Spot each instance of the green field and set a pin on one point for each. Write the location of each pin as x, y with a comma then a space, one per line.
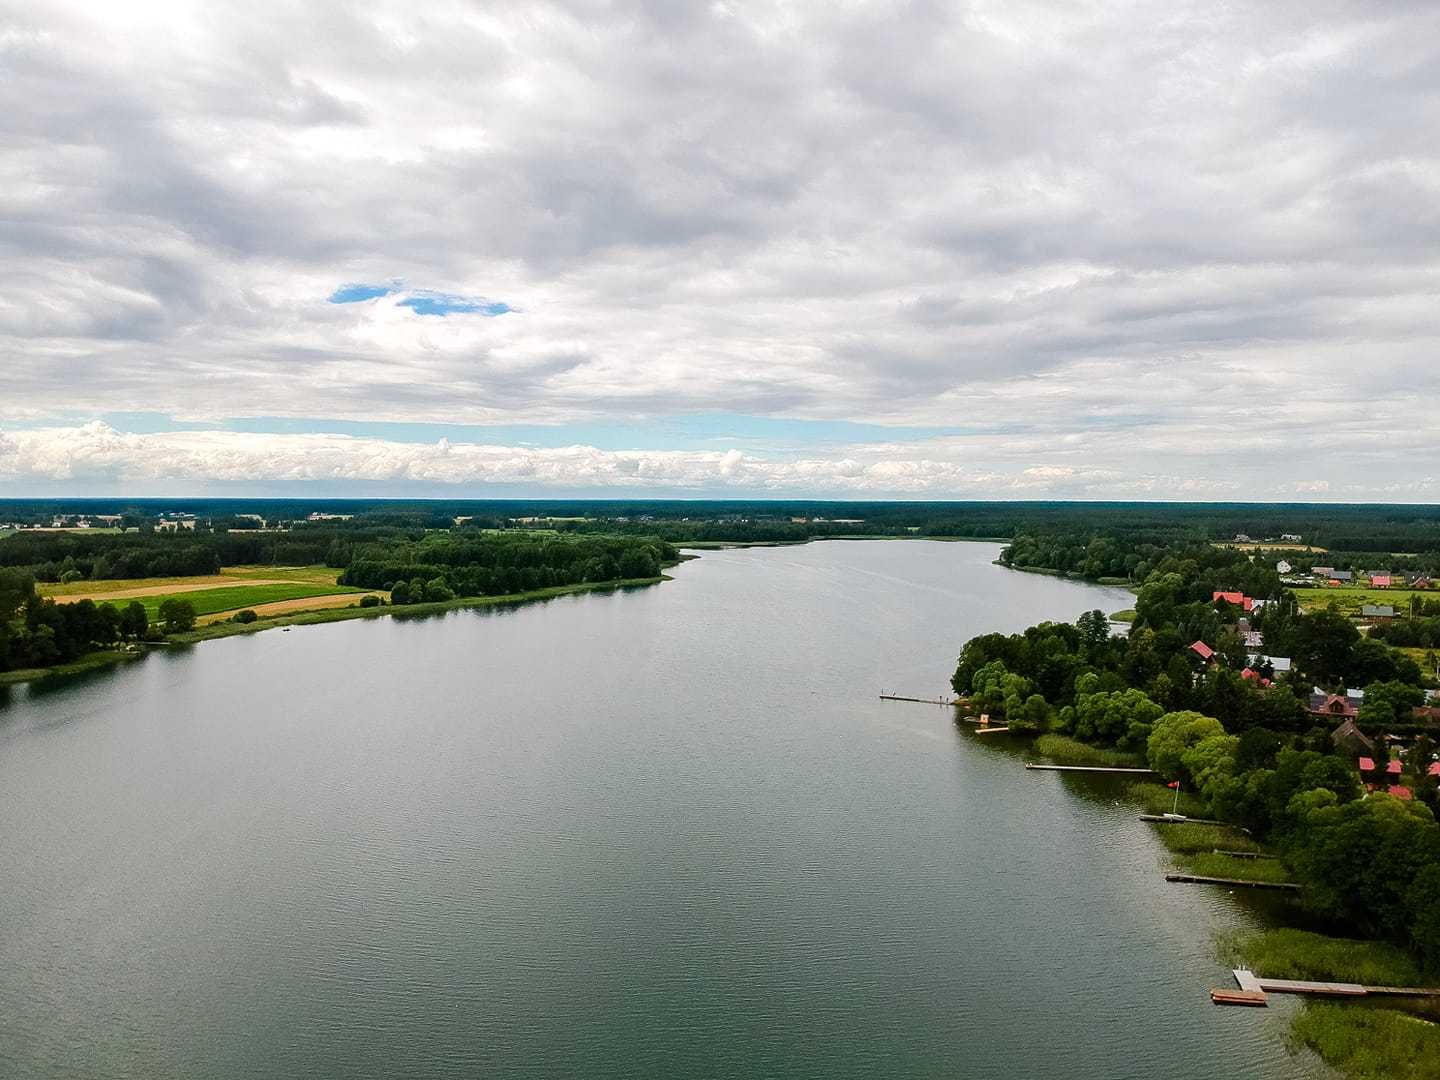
97, 589
236, 597
1350, 598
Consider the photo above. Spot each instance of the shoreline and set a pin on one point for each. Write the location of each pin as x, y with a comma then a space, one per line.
113, 658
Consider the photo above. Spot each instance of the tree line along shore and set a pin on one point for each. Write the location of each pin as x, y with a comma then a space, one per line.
74, 620
1305, 740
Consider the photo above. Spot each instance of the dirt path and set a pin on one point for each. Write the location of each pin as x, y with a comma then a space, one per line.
216, 582
284, 607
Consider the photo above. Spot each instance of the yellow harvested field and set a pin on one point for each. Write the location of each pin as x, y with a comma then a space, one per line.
195, 584
287, 607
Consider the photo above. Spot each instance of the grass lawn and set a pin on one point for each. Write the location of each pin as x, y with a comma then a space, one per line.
1128, 615
1063, 750
1350, 598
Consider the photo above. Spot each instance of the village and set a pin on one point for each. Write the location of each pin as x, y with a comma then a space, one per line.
1392, 761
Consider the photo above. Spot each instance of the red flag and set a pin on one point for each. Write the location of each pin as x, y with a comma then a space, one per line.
1173, 784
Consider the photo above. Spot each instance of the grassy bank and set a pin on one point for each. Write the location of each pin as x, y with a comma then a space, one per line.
1370, 1042
1156, 798
1196, 838
309, 618
1286, 953
1373, 1039
1063, 750
90, 662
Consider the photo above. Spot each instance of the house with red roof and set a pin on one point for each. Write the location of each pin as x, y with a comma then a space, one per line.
1203, 651
1381, 581
1393, 768
1239, 599
1336, 705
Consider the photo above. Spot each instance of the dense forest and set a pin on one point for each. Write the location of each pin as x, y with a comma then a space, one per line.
1407, 530
1234, 730
441, 566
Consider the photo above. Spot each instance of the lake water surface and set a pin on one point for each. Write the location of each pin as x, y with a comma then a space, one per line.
662, 833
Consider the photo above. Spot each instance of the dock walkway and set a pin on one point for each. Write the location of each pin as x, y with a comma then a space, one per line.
921, 700
1200, 879
1087, 768
1253, 989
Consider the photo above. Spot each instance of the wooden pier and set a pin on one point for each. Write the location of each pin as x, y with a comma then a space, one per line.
1200, 879
1087, 768
1181, 819
920, 700
1253, 989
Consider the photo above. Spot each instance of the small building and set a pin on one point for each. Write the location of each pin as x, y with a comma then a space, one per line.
1338, 706
1392, 767
1377, 611
1421, 582
1293, 538
1381, 581
1239, 599
1253, 639
1277, 664
1351, 740
1242, 538
1203, 651
1322, 571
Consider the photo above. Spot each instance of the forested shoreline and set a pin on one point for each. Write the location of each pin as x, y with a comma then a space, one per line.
1329, 762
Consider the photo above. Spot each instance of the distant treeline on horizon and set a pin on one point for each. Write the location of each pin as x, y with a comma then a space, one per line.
1350, 527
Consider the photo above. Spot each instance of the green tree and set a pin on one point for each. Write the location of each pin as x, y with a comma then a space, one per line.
176, 616
1121, 717
1173, 734
134, 623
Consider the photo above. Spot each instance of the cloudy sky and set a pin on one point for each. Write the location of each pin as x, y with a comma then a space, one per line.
975, 250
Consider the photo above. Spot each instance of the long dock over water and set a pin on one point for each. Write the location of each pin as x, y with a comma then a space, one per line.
1202, 879
1253, 989
1087, 768
921, 700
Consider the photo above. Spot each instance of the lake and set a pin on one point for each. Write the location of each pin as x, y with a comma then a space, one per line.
668, 832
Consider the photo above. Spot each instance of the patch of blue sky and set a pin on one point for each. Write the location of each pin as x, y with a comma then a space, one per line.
421, 301
425, 302
350, 294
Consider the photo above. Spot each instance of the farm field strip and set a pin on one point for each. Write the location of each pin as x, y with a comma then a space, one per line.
286, 607
248, 595
112, 588
1351, 600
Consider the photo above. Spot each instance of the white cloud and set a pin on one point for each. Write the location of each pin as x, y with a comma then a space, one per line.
96, 459
1134, 231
